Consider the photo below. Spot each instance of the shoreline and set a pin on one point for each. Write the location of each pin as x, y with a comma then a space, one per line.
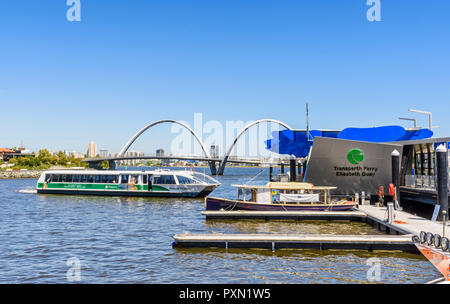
37, 173
20, 174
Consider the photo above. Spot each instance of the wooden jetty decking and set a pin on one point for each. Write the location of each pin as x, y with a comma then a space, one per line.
408, 223
376, 216
405, 225
287, 215
303, 241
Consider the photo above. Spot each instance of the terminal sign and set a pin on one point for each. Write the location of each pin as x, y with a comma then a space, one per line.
355, 156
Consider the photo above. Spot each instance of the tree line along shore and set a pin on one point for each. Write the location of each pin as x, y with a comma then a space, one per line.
31, 166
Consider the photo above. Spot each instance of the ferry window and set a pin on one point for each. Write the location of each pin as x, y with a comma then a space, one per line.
69, 178
145, 179
164, 179
48, 178
124, 179
135, 179
111, 179
55, 178
103, 179
97, 179
76, 179
90, 179
83, 178
182, 180
63, 178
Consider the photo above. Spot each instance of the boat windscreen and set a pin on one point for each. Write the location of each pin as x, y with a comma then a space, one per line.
204, 178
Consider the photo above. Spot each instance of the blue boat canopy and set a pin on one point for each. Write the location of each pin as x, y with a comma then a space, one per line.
296, 142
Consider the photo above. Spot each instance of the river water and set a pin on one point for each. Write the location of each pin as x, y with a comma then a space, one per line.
128, 240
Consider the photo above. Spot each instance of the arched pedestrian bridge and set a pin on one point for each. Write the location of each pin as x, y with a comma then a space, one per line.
95, 162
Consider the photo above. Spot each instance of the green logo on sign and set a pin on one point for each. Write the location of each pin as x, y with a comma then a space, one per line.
355, 156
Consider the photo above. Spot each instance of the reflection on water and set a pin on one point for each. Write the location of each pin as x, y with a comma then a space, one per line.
128, 240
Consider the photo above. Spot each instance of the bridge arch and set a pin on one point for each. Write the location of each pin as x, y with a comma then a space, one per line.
139, 133
227, 155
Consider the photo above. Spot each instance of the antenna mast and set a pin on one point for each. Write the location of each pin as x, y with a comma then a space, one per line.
307, 121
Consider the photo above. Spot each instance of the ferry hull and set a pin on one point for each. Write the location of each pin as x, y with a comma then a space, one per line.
213, 203
200, 194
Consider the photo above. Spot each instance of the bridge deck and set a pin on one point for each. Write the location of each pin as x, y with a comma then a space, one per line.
118, 158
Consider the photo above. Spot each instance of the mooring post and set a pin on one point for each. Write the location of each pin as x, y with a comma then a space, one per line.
444, 222
390, 210
396, 177
442, 180
292, 168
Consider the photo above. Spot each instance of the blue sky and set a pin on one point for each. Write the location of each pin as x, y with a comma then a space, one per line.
129, 63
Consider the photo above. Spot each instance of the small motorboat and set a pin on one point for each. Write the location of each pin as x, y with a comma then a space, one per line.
280, 196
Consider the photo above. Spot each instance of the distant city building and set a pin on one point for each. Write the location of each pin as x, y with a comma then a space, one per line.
214, 151
91, 149
75, 154
132, 162
160, 153
104, 153
5, 152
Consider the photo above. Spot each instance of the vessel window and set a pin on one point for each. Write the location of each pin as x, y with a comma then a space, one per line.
103, 179
48, 178
145, 179
76, 178
182, 180
83, 178
69, 178
134, 179
112, 179
90, 179
164, 179
97, 179
55, 178
124, 179
248, 194
63, 178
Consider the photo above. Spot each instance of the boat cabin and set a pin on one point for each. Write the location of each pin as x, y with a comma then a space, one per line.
284, 193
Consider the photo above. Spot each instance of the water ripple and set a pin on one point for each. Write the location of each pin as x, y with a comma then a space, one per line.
128, 240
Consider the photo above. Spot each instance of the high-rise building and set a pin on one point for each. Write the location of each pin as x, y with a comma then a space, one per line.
91, 149
214, 151
104, 153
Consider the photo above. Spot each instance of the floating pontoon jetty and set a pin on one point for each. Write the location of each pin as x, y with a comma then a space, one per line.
398, 233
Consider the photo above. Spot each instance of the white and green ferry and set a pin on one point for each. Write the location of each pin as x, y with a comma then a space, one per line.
154, 183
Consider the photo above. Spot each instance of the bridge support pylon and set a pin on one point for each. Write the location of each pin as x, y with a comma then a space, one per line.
112, 165
212, 167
